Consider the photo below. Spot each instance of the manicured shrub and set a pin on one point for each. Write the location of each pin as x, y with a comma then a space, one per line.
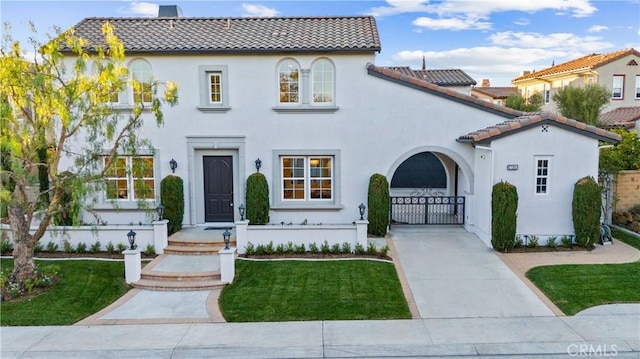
121, 247
150, 250
587, 204
504, 205
313, 248
534, 242
566, 241
111, 249
378, 204
257, 197
346, 247
552, 242
371, 249
335, 248
172, 198
52, 247
81, 248
95, 248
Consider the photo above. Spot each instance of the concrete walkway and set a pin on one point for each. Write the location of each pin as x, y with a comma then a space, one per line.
452, 274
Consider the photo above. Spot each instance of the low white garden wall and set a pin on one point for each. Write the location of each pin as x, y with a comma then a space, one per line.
154, 234
300, 234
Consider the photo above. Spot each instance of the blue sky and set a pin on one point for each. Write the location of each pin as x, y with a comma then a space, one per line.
495, 39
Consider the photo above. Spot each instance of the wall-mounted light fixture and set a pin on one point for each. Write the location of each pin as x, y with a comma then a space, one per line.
173, 164
258, 164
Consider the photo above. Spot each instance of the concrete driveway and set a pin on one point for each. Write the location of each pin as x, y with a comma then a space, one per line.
452, 274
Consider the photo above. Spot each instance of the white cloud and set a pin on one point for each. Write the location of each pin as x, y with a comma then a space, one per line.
578, 8
400, 7
522, 22
562, 41
144, 9
597, 28
500, 64
451, 24
251, 10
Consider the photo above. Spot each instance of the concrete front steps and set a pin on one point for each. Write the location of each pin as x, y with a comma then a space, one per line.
186, 265
195, 247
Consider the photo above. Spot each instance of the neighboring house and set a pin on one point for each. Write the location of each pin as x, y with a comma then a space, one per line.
619, 71
623, 117
322, 118
454, 79
496, 95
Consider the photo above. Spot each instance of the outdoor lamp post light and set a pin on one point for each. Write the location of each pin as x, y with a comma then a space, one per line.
226, 235
241, 210
160, 211
258, 164
131, 236
173, 164
361, 207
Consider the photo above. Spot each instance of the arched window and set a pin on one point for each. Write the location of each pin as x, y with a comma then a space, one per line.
289, 81
323, 80
142, 80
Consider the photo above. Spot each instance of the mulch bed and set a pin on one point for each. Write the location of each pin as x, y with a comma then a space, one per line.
65, 255
309, 255
547, 249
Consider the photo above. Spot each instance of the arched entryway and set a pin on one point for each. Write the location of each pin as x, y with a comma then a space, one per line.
426, 188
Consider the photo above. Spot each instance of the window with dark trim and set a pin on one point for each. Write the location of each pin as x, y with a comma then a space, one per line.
617, 90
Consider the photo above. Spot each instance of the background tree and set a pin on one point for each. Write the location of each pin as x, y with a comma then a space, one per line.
623, 156
62, 102
517, 102
582, 104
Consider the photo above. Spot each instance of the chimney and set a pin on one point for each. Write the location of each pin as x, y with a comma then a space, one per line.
169, 11
485, 83
524, 73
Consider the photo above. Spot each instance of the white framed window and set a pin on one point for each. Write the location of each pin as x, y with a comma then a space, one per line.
617, 90
130, 178
637, 87
542, 174
142, 81
289, 82
214, 88
323, 82
307, 178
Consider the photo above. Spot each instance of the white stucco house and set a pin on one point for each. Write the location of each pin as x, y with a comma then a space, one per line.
303, 95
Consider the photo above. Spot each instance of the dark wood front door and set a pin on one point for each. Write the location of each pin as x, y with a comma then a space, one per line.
218, 188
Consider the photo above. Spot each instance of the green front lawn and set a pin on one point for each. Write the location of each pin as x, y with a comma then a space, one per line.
319, 290
574, 288
85, 287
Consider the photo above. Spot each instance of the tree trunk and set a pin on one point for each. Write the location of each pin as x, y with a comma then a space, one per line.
24, 267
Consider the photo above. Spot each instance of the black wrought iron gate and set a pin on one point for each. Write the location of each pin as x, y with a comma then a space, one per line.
427, 210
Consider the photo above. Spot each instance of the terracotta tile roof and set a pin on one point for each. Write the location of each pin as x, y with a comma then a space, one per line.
214, 35
620, 117
445, 77
531, 120
588, 62
392, 74
496, 92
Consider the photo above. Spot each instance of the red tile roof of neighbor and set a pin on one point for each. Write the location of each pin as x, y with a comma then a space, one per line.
620, 117
237, 35
517, 120
588, 62
496, 92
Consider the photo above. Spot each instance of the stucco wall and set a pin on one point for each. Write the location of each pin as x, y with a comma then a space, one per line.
626, 188
378, 125
573, 156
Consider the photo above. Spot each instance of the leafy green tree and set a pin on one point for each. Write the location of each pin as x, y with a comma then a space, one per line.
60, 100
582, 104
623, 156
517, 102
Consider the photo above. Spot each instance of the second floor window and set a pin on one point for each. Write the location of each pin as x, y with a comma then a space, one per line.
142, 81
215, 87
617, 91
289, 82
637, 87
322, 82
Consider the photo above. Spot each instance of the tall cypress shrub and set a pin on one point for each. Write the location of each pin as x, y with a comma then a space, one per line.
504, 205
378, 203
257, 197
586, 207
172, 198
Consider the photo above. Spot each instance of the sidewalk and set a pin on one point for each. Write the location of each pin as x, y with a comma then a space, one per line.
594, 333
